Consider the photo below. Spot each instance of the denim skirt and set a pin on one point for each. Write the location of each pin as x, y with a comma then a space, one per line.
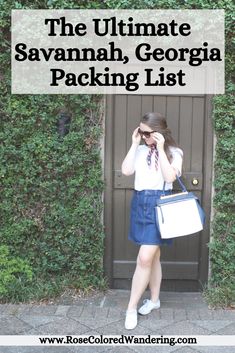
143, 229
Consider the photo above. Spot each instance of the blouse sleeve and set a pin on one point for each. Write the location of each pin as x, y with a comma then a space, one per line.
177, 160
137, 156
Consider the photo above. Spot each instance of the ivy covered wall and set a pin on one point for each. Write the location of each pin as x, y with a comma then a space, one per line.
51, 187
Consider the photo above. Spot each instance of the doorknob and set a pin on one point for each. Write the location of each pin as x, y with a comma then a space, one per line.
195, 181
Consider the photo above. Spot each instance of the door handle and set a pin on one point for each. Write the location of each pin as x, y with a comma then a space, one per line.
195, 181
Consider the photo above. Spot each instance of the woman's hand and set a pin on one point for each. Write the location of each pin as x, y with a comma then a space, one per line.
160, 140
136, 136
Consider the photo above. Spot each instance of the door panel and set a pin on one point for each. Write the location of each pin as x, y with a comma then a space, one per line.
186, 118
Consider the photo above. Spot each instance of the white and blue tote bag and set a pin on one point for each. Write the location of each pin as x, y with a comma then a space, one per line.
179, 214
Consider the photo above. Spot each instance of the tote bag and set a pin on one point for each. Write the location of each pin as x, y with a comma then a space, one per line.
179, 214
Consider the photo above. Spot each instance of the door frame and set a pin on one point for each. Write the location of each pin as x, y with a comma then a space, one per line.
108, 192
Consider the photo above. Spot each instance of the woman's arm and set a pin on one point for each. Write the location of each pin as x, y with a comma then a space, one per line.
168, 171
128, 165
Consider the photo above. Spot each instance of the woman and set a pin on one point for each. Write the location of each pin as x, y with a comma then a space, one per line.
154, 163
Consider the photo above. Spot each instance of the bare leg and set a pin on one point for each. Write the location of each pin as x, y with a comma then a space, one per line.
155, 277
142, 273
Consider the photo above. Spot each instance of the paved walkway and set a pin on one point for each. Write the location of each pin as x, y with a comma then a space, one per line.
180, 314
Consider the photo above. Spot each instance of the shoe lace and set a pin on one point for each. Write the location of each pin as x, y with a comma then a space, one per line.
146, 301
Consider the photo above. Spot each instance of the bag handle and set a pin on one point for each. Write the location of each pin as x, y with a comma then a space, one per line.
183, 187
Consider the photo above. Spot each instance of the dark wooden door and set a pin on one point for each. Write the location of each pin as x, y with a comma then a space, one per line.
185, 264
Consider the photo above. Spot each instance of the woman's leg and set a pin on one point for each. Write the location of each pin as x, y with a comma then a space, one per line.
142, 273
155, 276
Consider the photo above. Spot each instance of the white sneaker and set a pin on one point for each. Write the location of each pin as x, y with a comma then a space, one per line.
148, 306
131, 319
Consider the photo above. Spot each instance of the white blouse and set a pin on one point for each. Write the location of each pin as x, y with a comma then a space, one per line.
147, 177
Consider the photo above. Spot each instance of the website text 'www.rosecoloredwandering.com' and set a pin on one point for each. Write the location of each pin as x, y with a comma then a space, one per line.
118, 340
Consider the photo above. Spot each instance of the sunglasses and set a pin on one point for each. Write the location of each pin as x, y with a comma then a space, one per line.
145, 133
